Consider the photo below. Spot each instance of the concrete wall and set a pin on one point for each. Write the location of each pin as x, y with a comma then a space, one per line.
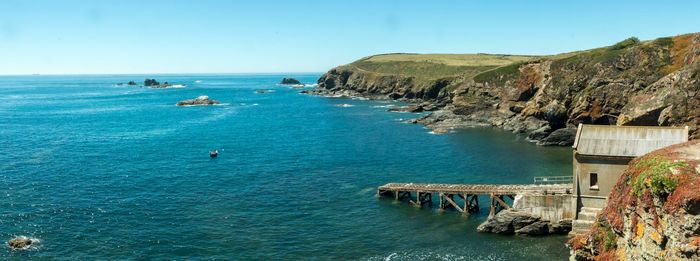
608, 169
548, 207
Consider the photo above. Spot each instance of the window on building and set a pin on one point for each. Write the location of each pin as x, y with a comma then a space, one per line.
593, 181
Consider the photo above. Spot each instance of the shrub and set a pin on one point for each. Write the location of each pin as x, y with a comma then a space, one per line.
656, 175
625, 43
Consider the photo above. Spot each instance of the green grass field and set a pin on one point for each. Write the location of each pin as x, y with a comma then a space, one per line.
435, 66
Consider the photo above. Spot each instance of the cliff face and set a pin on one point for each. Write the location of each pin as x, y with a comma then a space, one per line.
630, 83
652, 213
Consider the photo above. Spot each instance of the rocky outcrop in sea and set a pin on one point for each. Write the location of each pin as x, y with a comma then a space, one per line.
21, 243
289, 81
201, 100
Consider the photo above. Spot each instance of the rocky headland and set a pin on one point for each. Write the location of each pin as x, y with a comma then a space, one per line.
633, 82
201, 100
652, 212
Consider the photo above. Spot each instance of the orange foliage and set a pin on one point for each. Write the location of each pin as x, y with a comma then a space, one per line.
681, 54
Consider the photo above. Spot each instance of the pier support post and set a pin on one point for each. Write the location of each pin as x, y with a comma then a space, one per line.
492, 208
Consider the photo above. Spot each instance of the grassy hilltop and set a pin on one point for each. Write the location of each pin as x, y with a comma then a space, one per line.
434, 66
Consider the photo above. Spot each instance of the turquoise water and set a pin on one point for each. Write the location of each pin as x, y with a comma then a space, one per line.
99, 171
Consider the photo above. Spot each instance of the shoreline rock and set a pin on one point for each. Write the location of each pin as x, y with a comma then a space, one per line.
201, 100
512, 222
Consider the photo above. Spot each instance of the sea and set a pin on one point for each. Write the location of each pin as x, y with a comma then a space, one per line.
97, 170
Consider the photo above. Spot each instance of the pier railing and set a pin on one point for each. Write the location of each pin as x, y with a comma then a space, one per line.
545, 180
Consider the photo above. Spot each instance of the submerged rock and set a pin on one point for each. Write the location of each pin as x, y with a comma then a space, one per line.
410, 108
263, 91
290, 81
201, 100
21, 242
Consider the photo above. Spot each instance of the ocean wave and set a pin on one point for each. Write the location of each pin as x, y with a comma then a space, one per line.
344, 105
384, 106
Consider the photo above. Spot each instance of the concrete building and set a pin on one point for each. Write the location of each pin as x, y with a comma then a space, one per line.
601, 154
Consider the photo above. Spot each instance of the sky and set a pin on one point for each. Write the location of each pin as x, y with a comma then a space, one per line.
262, 36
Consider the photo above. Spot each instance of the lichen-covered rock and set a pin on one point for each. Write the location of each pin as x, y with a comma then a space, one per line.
652, 212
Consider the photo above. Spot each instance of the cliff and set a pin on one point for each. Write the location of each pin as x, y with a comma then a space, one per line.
652, 212
653, 82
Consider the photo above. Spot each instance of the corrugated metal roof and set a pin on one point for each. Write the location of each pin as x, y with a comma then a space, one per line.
626, 141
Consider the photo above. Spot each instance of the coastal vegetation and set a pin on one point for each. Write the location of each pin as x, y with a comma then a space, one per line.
652, 212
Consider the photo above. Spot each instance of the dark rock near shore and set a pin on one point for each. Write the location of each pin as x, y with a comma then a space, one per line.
560, 137
201, 100
131, 83
509, 222
290, 81
20, 242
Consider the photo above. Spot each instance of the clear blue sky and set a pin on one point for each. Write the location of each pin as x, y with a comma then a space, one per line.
87, 37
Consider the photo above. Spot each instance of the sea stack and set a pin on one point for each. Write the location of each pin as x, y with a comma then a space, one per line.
201, 100
289, 81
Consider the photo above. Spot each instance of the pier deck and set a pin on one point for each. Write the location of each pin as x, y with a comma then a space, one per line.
467, 193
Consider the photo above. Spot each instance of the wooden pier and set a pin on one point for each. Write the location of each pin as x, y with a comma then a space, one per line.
467, 193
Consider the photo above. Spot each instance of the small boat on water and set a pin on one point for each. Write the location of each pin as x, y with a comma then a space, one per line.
213, 153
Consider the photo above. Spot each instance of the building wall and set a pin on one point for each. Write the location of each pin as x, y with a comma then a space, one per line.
608, 169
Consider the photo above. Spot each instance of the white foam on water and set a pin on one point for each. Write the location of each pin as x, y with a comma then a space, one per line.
344, 105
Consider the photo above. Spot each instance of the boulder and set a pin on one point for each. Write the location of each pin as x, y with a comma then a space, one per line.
509, 222
289, 81
410, 108
562, 227
540, 133
201, 100
20, 242
560, 137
